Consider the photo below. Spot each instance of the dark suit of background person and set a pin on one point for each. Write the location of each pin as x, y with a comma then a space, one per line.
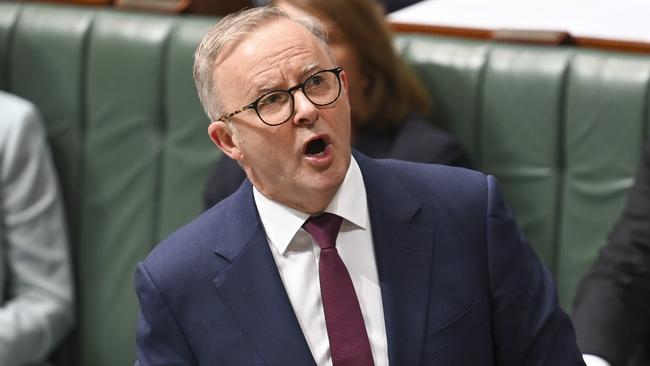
612, 308
394, 5
416, 140
385, 95
36, 291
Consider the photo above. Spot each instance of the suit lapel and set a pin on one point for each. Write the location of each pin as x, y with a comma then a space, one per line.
252, 288
403, 252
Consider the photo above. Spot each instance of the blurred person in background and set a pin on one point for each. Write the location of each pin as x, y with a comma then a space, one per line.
394, 5
612, 309
386, 98
36, 291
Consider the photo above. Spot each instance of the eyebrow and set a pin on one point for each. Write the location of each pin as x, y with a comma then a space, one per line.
307, 69
262, 89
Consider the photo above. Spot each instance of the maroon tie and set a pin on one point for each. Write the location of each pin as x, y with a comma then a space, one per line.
349, 344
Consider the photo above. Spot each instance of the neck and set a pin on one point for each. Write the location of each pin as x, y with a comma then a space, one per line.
317, 200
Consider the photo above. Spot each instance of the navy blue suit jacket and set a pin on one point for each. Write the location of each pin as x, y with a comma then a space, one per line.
459, 283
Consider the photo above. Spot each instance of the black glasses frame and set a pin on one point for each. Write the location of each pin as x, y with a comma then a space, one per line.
336, 71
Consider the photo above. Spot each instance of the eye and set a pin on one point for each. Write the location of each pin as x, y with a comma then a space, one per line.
273, 98
315, 80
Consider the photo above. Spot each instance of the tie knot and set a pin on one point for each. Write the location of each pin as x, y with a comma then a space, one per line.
324, 228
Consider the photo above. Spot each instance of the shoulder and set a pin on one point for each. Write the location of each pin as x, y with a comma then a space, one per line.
14, 104
437, 177
424, 130
442, 187
191, 239
17, 112
453, 189
420, 141
17, 115
22, 139
186, 254
206, 244
226, 177
454, 200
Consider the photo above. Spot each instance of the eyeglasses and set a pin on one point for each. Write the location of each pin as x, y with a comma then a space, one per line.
276, 107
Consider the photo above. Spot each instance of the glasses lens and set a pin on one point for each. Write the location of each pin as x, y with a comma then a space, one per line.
323, 87
275, 107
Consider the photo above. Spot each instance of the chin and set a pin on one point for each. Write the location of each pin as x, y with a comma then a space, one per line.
331, 179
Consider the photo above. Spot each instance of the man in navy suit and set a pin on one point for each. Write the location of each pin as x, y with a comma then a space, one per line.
425, 266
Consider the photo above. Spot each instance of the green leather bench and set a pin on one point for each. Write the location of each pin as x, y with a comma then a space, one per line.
561, 128
130, 143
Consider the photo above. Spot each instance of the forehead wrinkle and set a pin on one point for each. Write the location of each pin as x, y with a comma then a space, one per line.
265, 81
265, 87
262, 83
295, 56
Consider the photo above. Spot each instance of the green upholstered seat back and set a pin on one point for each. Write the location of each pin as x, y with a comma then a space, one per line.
560, 127
130, 143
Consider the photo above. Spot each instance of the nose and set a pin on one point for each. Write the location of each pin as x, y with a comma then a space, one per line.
304, 111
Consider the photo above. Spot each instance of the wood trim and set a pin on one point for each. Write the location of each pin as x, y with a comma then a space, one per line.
169, 6
611, 44
524, 36
79, 2
475, 33
532, 36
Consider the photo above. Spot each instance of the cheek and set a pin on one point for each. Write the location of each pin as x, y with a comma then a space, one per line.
342, 126
267, 150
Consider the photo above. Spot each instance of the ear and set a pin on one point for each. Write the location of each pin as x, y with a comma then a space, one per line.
222, 136
344, 81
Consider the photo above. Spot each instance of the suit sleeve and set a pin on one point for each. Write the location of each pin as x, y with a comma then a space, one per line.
37, 311
160, 340
611, 309
528, 325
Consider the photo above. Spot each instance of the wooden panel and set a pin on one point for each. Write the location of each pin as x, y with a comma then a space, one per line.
524, 36
165, 6
80, 2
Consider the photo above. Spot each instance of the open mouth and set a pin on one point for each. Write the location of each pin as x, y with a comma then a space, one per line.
316, 147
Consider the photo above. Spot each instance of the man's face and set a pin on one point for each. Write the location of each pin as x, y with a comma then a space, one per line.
288, 163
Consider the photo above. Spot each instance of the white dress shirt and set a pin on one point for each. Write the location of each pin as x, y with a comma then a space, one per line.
296, 255
592, 360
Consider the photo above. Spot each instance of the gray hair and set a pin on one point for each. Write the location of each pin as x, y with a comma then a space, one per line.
236, 27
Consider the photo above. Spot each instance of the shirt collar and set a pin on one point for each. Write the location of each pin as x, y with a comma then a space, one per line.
281, 222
